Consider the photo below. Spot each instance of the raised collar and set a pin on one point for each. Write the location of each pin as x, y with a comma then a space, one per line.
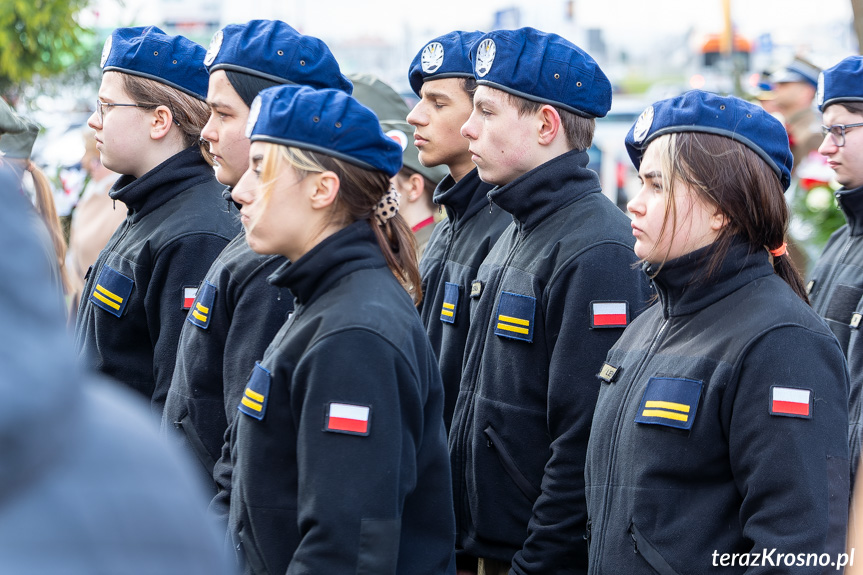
534, 196
681, 285
346, 251
851, 204
464, 198
178, 173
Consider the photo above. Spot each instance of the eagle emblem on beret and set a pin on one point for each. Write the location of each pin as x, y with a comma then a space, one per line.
485, 57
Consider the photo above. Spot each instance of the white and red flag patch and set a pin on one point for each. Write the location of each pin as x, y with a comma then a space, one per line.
609, 314
791, 402
189, 295
348, 418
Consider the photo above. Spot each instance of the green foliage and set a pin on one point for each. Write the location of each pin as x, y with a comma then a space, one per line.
40, 38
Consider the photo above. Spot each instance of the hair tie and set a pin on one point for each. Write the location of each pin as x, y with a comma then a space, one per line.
780, 251
388, 206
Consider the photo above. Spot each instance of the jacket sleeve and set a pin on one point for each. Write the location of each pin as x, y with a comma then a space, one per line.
352, 486
603, 273
180, 264
791, 471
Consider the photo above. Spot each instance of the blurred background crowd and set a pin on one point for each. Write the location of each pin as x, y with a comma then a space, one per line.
763, 50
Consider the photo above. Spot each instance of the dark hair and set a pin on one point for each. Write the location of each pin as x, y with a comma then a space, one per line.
731, 177
578, 130
247, 86
469, 85
360, 191
853, 107
191, 114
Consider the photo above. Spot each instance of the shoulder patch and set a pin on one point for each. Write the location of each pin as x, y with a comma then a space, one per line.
200, 312
112, 291
254, 401
791, 402
347, 418
515, 316
609, 314
670, 401
449, 309
608, 373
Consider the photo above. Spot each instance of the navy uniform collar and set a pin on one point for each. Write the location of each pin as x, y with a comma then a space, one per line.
534, 196
348, 250
851, 204
178, 173
464, 198
682, 289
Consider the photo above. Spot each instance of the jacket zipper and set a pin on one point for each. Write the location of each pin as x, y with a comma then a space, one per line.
463, 435
618, 423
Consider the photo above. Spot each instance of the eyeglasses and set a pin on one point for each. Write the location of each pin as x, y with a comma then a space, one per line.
100, 104
837, 132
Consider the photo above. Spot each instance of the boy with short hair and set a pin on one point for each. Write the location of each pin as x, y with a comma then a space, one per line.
550, 299
441, 74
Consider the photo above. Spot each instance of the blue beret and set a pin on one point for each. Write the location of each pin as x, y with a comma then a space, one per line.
446, 56
544, 68
273, 50
697, 111
841, 83
150, 53
327, 121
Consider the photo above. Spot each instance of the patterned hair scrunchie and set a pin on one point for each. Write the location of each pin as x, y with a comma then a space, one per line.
388, 206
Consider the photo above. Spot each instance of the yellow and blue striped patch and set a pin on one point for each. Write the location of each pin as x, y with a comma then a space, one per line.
112, 291
514, 318
670, 401
449, 309
199, 313
254, 400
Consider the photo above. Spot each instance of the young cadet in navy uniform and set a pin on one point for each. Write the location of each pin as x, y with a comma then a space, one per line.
236, 313
441, 74
836, 285
339, 453
548, 302
148, 123
721, 425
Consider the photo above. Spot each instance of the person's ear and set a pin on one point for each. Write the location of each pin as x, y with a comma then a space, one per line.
323, 189
718, 220
549, 123
416, 187
161, 121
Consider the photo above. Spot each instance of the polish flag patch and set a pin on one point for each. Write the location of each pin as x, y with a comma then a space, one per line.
189, 295
347, 418
608, 314
791, 402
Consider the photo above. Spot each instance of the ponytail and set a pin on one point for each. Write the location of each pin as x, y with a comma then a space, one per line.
785, 268
398, 245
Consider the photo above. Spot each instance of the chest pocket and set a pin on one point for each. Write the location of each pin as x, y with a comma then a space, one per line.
670, 401
112, 291
515, 316
199, 314
254, 401
449, 309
